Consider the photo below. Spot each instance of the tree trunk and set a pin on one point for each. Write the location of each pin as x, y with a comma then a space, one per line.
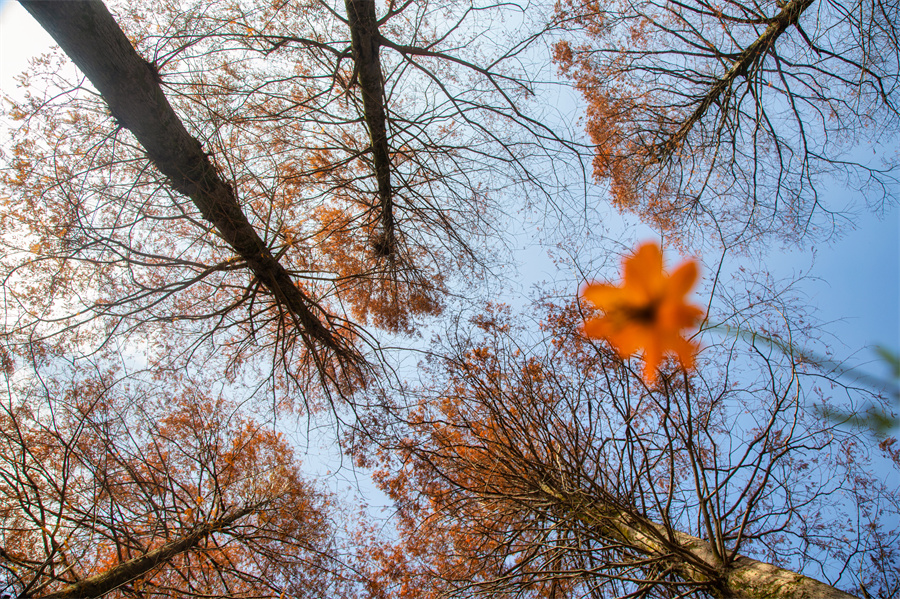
789, 15
105, 582
365, 43
691, 558
90, 36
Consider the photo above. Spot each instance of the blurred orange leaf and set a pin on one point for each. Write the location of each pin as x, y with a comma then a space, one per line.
648, 311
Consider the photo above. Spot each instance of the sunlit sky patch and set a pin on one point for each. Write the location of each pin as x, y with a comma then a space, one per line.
855, 278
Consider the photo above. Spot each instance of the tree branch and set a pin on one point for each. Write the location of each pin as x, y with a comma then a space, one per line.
105, 582
789, 15
90, 36
693, 559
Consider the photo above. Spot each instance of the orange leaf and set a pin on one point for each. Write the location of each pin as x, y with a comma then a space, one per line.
648, 311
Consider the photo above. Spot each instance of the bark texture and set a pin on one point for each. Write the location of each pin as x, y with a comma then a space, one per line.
105, 582
691, 558
90, 36
365, 43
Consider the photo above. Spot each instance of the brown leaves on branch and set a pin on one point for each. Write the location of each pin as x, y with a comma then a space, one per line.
551, 470
277, 130
90, 36
734, 118
237, 192
114, 487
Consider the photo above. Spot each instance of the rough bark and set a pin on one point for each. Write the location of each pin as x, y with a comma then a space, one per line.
692, 559
365, 42
105, 582
90, 36
789, 15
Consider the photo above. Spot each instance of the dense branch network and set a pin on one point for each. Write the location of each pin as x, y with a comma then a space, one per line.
132, 488
174, 237
136, 568
87, 32
281, 146
732, 120
555, 470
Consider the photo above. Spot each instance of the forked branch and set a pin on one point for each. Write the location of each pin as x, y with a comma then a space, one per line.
90, 36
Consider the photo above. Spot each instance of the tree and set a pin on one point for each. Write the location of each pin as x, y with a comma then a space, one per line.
554, 469
737, 116
225, 216
201, 204
281, 250
113, 488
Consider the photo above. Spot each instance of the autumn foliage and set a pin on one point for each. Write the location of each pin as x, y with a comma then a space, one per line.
553, 470
728, 119
99, 472
238, 233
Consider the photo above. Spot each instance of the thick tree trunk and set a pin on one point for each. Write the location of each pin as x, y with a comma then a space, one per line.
90, 36
692, 559
105, 582
365, 44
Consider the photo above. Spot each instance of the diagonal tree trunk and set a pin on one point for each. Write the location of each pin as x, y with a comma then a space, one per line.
366, 43
691, 558
789, 15
105, 582
90, 36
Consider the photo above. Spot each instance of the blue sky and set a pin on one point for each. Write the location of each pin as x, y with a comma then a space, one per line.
856, 278
860, 286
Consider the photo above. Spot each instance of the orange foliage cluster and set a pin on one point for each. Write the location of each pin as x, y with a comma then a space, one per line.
388, 294
467, 477
118, 471
607, 124
450, 541
627, 118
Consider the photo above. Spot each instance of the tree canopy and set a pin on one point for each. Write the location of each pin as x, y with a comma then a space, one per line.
735, 115
227, 223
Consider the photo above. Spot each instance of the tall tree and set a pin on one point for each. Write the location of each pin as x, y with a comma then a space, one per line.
553, 469
738, 116
330, 185
109, 487
129, 85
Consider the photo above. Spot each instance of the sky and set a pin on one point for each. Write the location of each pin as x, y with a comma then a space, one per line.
855, 284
